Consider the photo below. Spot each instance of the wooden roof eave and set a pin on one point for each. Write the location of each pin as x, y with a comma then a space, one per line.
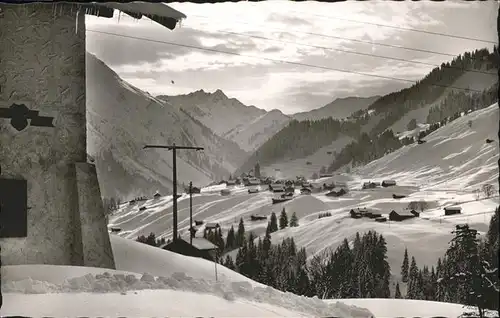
158, 12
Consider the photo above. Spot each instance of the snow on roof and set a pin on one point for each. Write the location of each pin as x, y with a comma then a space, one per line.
158, 12
203, 244
403, 212
212, 225
453, 208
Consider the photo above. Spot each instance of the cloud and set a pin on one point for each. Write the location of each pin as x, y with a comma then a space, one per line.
223, 46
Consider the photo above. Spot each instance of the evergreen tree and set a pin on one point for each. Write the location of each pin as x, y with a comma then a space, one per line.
266, 244
230, 240
242, 259
283, 222
251, 259
228, 262
397, 295
240, 234
468, 279
273, 223
294, 221
405, 267
219, 241
413, 287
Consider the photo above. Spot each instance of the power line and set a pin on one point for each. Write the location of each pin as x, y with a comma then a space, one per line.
352, 52
337, 37
401, 28
279, 61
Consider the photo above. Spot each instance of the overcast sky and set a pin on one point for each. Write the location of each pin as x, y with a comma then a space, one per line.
254, 72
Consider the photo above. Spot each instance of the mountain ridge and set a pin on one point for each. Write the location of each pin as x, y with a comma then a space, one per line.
121, 119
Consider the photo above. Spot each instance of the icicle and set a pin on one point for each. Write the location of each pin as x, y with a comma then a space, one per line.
76, 22
119, 15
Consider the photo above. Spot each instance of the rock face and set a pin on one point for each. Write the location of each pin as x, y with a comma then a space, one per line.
43, 67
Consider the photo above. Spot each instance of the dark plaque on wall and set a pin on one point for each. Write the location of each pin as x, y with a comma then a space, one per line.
19, 114
13, 208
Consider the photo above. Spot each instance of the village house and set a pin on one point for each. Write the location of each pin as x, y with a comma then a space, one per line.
452, 210
403, 215
325, 175
201, 248
305, 190
388, 183
355, 214
398, 196
255, 217
157, 195
276, 188
211, 227
364, 212
337, 192
194, 190
328, 187
115, 229
370, 185
253, 190
231, 182
251, 182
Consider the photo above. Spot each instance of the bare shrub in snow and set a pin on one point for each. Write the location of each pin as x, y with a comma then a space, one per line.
488, 190
418, 205
477, 194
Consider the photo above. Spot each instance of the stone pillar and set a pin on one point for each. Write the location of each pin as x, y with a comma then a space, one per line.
97, 251
42, 65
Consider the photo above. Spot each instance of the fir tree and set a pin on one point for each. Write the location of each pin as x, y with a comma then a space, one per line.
469, 277
413, 280
230, 240
405, 267
228, 262
283, 223
240, 234
273, 223
242, 259
294, 221
397, 295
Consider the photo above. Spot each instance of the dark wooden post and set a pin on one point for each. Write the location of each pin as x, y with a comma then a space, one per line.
174, 148
191, 213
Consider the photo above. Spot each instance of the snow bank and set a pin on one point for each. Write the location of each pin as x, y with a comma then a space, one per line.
115, 282
408, 307
146, 303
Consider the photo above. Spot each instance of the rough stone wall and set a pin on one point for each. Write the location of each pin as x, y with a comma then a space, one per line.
42, 64
97, 251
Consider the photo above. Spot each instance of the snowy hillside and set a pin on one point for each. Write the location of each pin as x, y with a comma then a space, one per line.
122, 119
248, 126
151, 282
423, 172
455, 156
309, 165
339, 108
254, 133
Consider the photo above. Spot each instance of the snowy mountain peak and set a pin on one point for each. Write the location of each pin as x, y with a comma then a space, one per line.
219, 93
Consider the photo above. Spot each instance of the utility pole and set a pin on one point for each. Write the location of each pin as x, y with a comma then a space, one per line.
191, 213
174, 148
